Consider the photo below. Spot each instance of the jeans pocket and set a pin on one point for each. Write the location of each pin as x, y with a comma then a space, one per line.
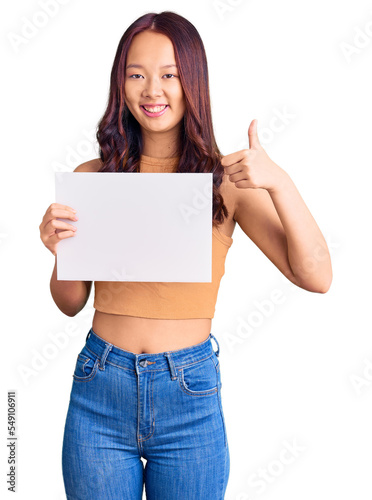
86, 366
200, 378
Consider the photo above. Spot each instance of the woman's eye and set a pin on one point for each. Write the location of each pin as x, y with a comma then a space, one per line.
137, 76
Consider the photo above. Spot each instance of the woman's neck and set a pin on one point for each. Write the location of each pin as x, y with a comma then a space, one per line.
160, 145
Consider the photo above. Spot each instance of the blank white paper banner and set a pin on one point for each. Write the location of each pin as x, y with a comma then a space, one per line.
137, 226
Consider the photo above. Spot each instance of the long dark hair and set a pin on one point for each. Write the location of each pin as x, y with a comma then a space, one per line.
119, 134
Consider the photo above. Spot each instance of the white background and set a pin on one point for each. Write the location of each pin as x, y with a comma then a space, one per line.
294, 378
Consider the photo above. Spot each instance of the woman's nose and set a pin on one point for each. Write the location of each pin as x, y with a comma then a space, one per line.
153, 88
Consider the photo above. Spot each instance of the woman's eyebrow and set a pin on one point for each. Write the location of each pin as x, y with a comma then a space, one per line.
139, 66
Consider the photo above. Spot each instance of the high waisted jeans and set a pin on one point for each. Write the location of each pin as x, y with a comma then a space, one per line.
165, 407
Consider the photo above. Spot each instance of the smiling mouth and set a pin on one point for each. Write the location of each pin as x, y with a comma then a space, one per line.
155, 109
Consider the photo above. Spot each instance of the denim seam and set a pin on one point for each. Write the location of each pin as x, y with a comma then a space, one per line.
197, 394
89, 377
222, 417
103, 359
85, 362
216, 365
179, 367
152, 369
92, 352
121, 367
186, 390
83, 357
224, 475
153, 413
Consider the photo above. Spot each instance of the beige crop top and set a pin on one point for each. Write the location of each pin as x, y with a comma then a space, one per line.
165, 300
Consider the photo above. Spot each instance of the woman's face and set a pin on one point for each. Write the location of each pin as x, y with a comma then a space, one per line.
152, 78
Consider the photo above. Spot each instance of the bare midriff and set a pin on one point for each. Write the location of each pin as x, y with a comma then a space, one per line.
148, 335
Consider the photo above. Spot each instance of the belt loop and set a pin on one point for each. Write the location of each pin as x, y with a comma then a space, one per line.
102, 360
171, 366
88, 335
218, 345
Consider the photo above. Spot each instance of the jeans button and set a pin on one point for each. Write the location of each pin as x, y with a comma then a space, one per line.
143, 362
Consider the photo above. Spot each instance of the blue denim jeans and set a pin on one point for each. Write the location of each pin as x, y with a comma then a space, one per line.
165, 407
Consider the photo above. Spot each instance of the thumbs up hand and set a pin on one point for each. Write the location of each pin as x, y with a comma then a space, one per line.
252, 168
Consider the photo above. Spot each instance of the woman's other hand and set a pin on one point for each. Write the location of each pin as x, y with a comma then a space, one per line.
52, 230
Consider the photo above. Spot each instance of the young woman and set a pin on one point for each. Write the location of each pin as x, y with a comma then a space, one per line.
147, 382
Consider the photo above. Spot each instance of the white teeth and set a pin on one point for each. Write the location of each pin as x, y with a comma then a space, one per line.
156, 109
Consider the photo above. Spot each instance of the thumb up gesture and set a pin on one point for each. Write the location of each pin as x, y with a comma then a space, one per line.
252, 168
